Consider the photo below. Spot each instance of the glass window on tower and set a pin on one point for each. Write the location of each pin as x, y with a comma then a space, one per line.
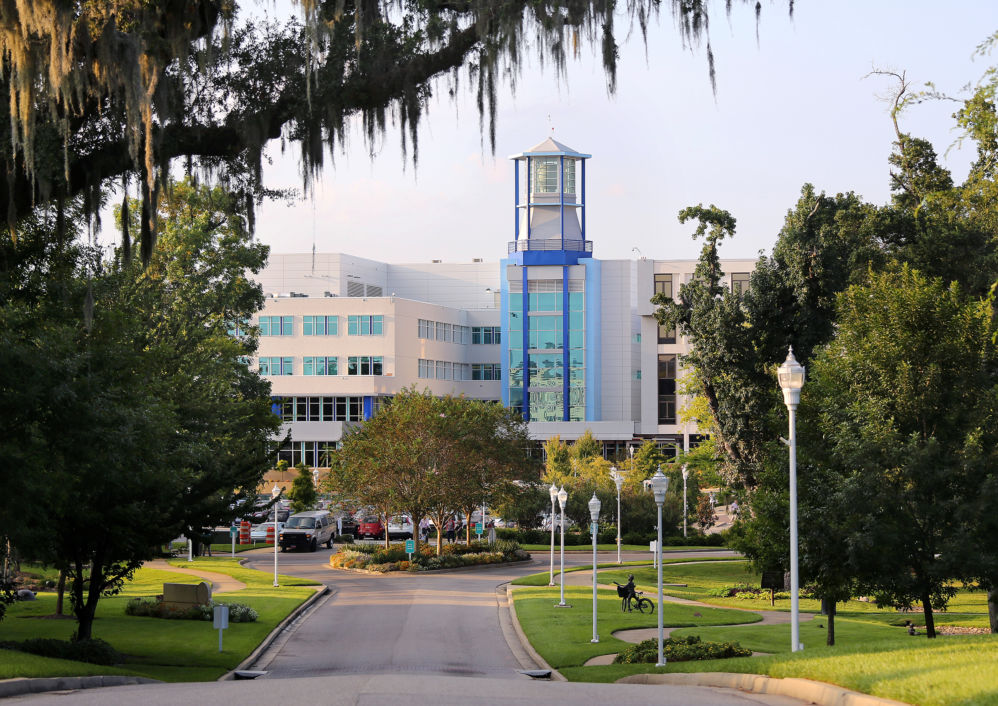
545, 176
545, 405
569, 176
667, 388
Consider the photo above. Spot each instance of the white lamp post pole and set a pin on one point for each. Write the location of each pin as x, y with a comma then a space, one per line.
618, 480
659, 486
791, 377
275, 491
553, 491
594, 507
562, 499
686, 474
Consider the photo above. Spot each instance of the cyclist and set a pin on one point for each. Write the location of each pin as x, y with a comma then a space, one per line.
631, 594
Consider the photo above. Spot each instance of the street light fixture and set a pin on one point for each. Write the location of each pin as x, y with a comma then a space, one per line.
659, 486
275, 491
562, 499
553, 491
594, 506
618, 480
791, 377
686, 474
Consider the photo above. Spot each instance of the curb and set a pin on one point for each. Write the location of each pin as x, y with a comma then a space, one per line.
804, 689
24, 685
524, 642
268, 641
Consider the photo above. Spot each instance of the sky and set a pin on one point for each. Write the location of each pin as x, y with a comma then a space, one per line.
794, 108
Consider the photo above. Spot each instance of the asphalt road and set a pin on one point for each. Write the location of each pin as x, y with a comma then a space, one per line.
434, 639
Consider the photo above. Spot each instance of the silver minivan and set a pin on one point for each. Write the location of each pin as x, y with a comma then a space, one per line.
307, 530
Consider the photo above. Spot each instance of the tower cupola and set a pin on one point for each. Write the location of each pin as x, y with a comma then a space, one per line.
550, 195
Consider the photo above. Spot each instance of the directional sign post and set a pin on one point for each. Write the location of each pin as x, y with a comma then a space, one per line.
478, 529
233, 531
410, 547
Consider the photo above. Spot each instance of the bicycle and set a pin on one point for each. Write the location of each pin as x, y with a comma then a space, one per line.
637, 601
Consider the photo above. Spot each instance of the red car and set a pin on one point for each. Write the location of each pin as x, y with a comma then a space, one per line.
370, 528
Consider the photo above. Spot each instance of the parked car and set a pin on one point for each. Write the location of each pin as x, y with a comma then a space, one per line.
400, 527
349, 526
307, 530
370, 527
258, 533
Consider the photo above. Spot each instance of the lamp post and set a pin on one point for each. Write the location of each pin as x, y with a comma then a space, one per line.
594, 506
553, 491
659, 486
791, 377
618, 480
275, 491
562, 499
686, 474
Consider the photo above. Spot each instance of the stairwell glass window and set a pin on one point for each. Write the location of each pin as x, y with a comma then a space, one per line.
277, 325
569, 178
364, 365
425, 329
320, 325
486, 335
365, 325
319, 365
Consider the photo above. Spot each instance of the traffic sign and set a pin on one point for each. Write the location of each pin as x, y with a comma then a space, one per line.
478, 528
233, 530
410, 546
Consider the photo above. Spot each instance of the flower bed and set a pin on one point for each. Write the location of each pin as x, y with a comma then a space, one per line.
394, 558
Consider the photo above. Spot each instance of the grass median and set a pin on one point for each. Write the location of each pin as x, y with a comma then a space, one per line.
171, 650
873, 653
613, 548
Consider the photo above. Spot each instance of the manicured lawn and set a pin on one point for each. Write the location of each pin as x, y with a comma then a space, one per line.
541, 579
562, 635
947, 671
14, 664
172, 650
612, 548
873, 654
700, 578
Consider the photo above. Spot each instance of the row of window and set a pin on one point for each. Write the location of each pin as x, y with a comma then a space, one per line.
440, 331
322, 365
739, 283
320, 409
357, 325
314, 454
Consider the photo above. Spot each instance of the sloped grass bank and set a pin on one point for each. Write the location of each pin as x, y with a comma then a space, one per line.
171, 650
873, 653
562, 635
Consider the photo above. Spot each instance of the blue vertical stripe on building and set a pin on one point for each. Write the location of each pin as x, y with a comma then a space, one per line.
526, 346
565, 367
368, 407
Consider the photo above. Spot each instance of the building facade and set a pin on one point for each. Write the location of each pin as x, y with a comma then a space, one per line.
568, 340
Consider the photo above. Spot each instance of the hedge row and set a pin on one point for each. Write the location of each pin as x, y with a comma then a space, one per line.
572, 539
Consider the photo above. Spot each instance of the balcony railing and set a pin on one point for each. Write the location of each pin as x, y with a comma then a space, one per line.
550, 244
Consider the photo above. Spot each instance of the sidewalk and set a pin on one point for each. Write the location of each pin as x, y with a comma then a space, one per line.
220, 583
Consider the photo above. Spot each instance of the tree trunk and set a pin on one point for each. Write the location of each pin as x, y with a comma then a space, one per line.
828, 606
993, 608
86, 609
930, 626
467, 527
61, 592
384, 528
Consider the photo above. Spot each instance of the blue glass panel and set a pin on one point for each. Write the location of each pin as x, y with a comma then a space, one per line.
576, 321
577, 301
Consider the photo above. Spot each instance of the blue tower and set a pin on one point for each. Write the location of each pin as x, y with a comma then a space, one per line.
550, 291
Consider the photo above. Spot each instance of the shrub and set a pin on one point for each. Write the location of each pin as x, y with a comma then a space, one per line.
680, 649
238, 612
94, 650
345, 539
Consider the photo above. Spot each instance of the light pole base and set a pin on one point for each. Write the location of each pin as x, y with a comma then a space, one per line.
552, 584
660, 664
595, 640
562, 605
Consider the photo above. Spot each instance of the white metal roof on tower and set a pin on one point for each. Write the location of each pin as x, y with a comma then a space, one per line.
548, 147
